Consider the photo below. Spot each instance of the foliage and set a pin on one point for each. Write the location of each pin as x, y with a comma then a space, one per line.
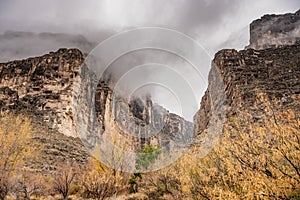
146, 157
100, 183
28, 185
133, 182
15, 133
169, 183
164, 183
254, 160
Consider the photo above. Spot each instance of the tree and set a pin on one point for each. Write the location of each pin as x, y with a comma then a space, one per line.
64, 177
133, 182
15, 134
100, 182
146, 157
254, 160
164, 183
170, 182
29, 184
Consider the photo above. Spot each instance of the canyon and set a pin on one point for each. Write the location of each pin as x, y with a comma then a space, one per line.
62, 95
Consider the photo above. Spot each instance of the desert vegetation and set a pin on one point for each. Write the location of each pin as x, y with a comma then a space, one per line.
15, 133
254, 159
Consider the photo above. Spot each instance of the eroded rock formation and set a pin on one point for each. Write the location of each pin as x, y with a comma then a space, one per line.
140, 121
44, 86
246, 74
269, 65
275, 30
47, 86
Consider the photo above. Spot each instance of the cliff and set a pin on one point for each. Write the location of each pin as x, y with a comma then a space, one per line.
143, 121
275, 30
44, 86
64, 96
54, 86
268, 66
245, 75
103, 113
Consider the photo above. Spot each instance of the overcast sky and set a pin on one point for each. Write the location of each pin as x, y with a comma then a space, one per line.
215, 24
209, 21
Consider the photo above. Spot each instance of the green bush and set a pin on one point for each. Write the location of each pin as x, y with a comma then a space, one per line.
147, 157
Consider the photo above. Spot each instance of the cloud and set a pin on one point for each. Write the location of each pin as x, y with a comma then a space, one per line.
201, 19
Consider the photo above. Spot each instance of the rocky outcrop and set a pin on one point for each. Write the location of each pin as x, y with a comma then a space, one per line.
269, 65
50, 86
248, 73
275, 30
138, 120
43, 85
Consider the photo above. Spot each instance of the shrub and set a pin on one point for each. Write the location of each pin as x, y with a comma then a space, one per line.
254, 160
15, 133
146, 157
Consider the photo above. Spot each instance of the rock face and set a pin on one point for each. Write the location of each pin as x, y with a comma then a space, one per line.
247, 74
270, 65
142, 121
275, 30
60, 91
102, 112
43, 85
46, 86
55, 148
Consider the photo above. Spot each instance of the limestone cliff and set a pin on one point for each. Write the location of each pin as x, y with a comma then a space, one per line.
60, 91
46, 86
269, 65
142, 121
275, 30
138, 120
248, 73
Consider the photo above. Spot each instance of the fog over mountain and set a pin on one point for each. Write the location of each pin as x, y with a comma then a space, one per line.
34, 27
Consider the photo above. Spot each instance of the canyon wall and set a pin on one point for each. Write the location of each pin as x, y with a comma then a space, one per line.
51, 86
42, 85
269, 66
248, 74
60, 91
275, 30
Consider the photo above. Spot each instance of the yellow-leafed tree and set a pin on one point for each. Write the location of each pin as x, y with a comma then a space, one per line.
15, 133
254, 159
